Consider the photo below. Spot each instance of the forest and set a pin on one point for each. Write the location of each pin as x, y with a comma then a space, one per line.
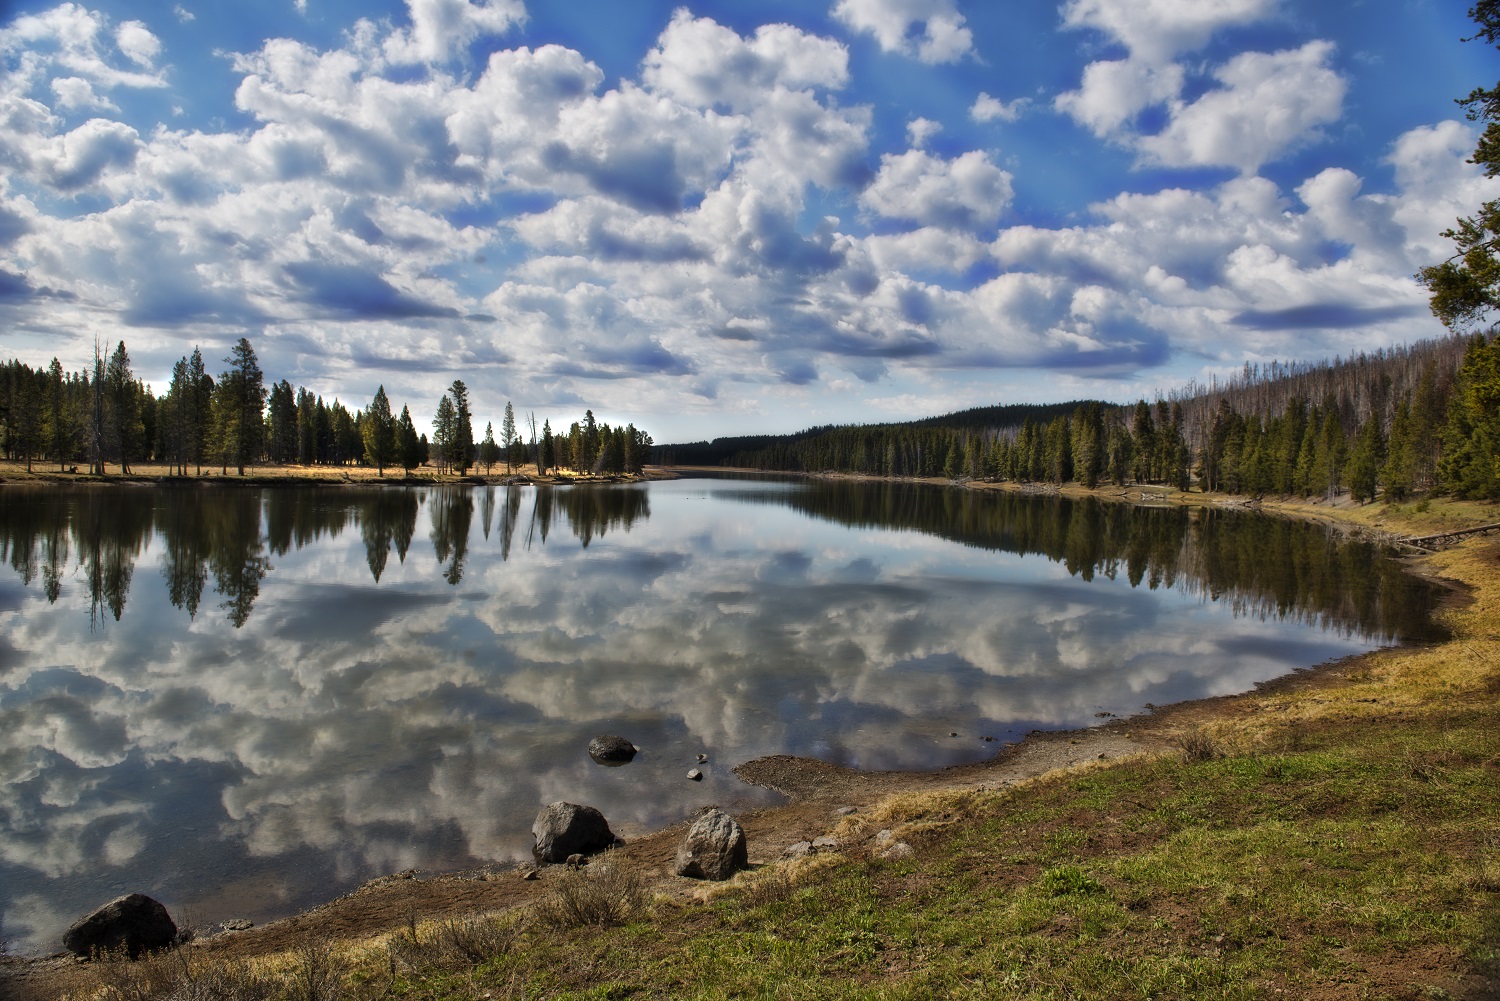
1418, 418
105, 416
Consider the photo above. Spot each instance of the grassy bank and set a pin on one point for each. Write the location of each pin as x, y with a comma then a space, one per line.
1337, 836
291, 475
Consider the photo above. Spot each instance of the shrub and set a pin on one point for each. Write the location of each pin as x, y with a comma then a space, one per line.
600, 894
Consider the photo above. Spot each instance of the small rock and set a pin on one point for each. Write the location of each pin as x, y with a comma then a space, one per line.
953, 733
713, 848
564, 829
801, 849
825, 844
695, 775
845, 811
236, 924
702, 758
989, 740
607, 749
884, 837
899, 850
528, 874
135, 923
577, 861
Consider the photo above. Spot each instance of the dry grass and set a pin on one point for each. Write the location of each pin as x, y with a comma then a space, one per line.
601, 895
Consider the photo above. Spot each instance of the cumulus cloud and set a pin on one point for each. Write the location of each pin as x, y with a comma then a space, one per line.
1158, 30
1269, 103
942, 38
1114, 92
138, 43
920, 130
440, 28
992, 109
967, 192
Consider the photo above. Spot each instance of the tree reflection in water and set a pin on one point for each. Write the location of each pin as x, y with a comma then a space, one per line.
1262, 566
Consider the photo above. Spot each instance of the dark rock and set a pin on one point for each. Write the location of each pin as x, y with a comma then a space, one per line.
608, 750
564, 829
713, 848
135, 923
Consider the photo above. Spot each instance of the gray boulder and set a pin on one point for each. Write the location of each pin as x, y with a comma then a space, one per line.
135, 923
564, 829
713, 848
609, 750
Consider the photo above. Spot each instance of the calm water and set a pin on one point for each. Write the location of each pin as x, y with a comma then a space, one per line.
245, 701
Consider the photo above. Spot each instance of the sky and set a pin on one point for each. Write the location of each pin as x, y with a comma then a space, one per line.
729, 217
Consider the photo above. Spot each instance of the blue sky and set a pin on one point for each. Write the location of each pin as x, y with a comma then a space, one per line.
729, 217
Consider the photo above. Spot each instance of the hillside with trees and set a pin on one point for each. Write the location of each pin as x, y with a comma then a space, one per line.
1393, 422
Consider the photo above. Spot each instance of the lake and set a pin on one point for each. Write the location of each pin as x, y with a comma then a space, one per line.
247, 701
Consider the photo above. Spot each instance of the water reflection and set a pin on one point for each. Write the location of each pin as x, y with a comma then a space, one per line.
337, 713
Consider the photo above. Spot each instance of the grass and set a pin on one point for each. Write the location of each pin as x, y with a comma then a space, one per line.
148, 472
1328, 840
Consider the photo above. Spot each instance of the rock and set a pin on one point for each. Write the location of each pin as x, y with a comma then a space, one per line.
695, 775
564, 829
610, 750
801, 849
528, 874
577, 861
825, 844
845, 811
702, 757
884, 837
135, 923
236, 924
713, 848
899, 850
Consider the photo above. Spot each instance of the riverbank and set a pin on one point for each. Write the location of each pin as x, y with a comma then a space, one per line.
1108, 876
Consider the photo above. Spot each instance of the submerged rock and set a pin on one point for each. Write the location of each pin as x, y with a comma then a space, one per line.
135, 923
713, 848
610, 750
564, 829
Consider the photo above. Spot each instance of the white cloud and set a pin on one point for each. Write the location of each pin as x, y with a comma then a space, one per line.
1270, 102
139, 45
1115, 91
183, 14
968, 192
702, 63
943, 38
992, 109
920, 130
1157, 30
439, 28
74, 93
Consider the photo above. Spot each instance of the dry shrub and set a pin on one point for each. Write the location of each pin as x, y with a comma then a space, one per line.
601, 895
317, 974
771, 885
175, 975
1197, 745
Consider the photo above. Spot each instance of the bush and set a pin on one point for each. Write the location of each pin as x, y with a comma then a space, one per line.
1197, 745
600, 894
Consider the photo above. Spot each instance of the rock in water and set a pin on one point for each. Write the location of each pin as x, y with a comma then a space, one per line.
564, 829
608, 750
713, 848
135, 923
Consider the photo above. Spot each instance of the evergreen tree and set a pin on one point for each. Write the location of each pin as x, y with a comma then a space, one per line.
1470, 464
413, 451
1401, 457
489, 450
1366, 459
462, 456
545, 458
122, 415
507, 434
443, 432
379, 433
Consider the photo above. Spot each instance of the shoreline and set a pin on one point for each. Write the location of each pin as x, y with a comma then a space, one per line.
819, 796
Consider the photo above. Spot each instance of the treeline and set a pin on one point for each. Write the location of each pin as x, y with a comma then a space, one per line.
104, 415
1392, 423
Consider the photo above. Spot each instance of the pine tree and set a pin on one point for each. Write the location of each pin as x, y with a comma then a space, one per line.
507, 434
489, 451
379, 433
1366, 459
462, 445
412, 451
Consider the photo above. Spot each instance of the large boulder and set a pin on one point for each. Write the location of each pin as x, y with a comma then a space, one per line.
135, 923
564, 829
713, 848
609, 750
